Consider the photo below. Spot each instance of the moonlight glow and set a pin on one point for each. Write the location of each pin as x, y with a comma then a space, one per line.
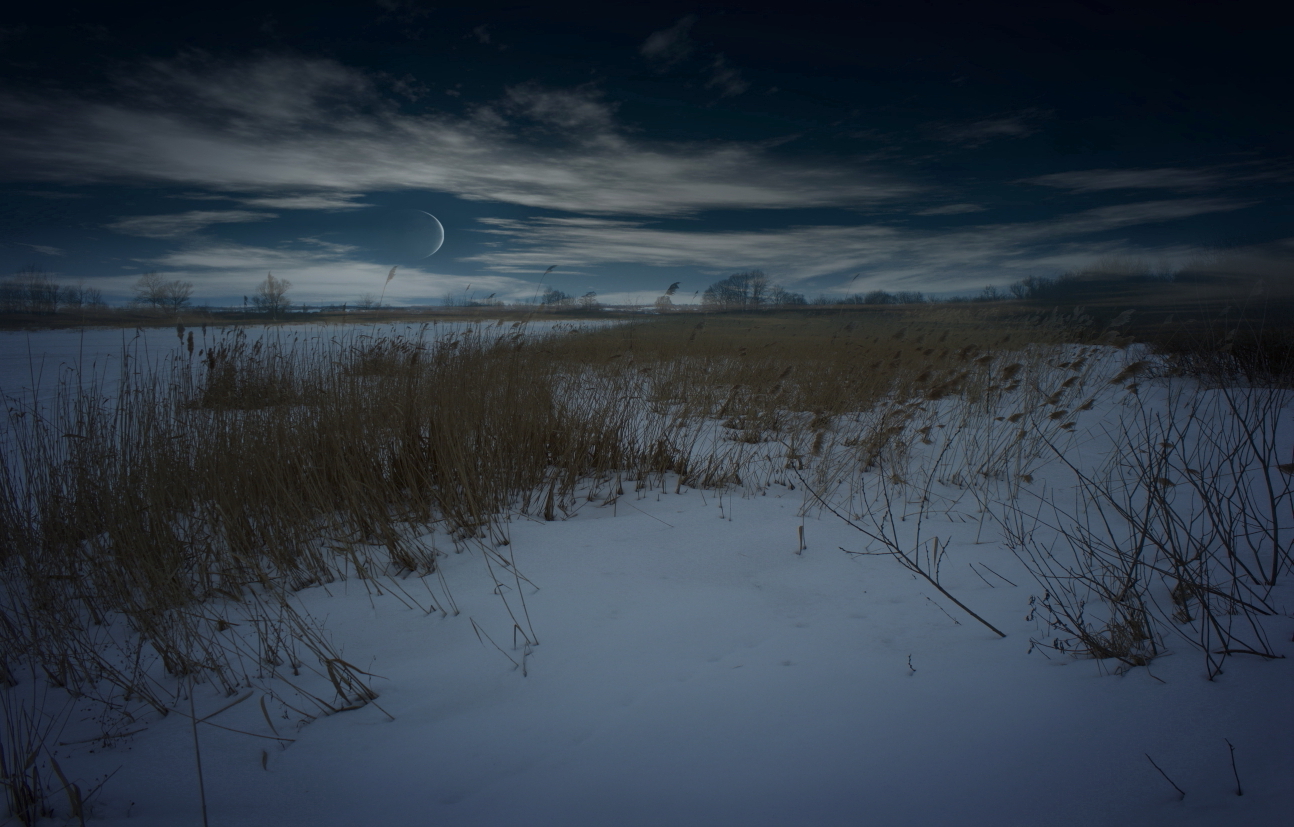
399, 236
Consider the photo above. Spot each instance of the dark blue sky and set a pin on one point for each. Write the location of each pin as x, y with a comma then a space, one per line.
914, 146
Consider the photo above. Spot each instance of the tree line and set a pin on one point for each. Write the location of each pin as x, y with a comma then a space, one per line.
33, 291
269, 297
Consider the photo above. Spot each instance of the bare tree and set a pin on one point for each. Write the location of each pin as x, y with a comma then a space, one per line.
176, 294
150, 289
732, 292
589, 301
271, 296
782, 297
553, 296
740, 290
80, 296
30, 290
71, 297
154, 290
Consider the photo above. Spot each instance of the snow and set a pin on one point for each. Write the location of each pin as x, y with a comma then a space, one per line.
694, 669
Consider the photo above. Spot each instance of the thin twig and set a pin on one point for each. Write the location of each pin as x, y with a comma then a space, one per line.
1180, 791
1236, 773
197, 755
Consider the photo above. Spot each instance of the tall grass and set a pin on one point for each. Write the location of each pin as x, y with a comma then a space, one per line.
156, 538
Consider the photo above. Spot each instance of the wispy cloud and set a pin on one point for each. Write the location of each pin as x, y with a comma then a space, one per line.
977, 132
316, 201
302, 125
55, 196
43, 249
725, 78
669, 46
1180, 179
558, 110
1099, 180
183, 224
951, 209
228, 270
890, 256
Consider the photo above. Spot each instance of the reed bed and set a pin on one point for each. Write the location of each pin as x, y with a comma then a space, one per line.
140, 528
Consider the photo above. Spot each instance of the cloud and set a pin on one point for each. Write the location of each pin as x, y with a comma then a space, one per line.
975, 133
55, 196
565, 110
1181, 179
316, 201
951, 209
890, 256
669, 46
43, 249
1099, 180
279, 124
183, 224
225, 271
724, 77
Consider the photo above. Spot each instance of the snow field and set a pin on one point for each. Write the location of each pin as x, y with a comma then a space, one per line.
693, 669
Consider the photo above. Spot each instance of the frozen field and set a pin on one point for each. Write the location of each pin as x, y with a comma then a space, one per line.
694, 664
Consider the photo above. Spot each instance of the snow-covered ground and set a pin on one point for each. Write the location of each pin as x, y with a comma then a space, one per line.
693, 669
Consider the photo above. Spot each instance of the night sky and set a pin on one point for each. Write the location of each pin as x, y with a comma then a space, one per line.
914, 146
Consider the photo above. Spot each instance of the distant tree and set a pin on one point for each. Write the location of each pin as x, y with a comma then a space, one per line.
1039, 288
745, 291
909, 297
11, 300
92, 297
589, 301
150, 289
878, 297
176, 294
554, 297
80, 296
990, 294
785, 298
729, 293
271, 296
366, 302
30, 290
70, 297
